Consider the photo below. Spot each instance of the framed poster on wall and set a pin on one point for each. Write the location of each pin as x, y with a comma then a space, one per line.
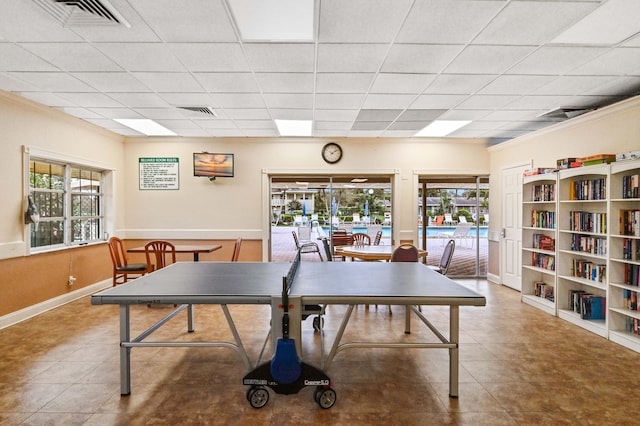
161, 173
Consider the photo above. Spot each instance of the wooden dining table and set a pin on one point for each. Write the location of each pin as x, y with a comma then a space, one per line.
370, 252
196, 249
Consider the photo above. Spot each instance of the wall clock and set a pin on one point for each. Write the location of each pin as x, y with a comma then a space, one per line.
331, 153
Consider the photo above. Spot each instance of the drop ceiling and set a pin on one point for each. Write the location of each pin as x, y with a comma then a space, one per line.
373, 68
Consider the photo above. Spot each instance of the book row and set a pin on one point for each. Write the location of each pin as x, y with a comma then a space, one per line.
543, 242
630, 249
588, 270
630, 222
632, 275
543, 261
630, 300
630, 186
589, 306
592, 189
588, 244
543, 219
633, 324
543, 192
543, 290
582, 221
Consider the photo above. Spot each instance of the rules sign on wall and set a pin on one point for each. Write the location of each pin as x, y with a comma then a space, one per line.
159, 173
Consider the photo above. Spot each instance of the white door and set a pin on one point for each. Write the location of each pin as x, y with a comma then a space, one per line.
511, 232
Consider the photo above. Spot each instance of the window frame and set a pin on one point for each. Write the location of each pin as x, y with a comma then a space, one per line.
105, 197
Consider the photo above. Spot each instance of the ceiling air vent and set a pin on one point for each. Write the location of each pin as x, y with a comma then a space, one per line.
74, 13
199, 111
565, 113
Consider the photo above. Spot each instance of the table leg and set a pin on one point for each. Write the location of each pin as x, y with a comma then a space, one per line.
190, 319
196, 257
454, 337
125, 352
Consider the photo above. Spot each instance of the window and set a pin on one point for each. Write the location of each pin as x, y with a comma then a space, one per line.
69, 199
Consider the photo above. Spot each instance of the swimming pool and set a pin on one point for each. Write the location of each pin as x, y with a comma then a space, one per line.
432, 231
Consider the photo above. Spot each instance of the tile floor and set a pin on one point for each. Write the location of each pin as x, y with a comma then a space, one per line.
518, 366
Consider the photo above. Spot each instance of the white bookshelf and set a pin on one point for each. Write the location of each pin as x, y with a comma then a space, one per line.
539, 209
621, 316
582, 216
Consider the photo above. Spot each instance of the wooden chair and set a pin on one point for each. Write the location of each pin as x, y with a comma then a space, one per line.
163, 252
236, 250
121, 267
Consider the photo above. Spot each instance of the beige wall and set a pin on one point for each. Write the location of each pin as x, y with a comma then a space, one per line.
610, 130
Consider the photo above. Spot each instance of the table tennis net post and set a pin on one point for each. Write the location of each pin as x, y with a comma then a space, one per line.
287, 282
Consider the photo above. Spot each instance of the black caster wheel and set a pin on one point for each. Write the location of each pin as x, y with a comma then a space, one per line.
325, 397
258, 397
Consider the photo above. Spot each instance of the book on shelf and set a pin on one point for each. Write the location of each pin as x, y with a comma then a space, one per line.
544, 261
630, 186
544, 290
632, 275
588, 189
630, 222
581, 221
543, 219
630, 249
566, 163
574, 300
593, 307
543, 192
589, 244
544, 242
586, 269
598, 159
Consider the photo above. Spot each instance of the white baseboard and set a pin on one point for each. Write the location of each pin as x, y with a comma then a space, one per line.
493, 278
32, 311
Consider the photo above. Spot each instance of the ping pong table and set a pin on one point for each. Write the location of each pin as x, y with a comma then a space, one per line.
314, 283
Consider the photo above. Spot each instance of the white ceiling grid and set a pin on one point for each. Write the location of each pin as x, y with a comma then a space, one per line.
377, 68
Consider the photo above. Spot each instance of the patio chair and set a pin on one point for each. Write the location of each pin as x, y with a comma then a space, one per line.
460, 233
462, 219
448, 220
356, 219
445, 260
387, 219
306, 246
439, 221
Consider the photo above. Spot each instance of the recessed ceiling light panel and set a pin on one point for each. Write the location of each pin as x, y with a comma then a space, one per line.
274, 20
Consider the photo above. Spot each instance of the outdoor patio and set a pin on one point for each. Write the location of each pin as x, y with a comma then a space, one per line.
462, 264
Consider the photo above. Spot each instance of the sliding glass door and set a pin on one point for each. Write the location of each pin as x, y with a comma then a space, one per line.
326, 205
455, 207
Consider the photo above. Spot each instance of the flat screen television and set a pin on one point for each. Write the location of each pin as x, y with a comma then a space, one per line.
212, 165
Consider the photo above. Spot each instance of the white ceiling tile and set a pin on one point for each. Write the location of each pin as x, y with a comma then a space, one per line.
618, 86
90, 100
238, 100
202, 20
189, 99
116, 113
457, 22
485, 125
342, 101
139, 100
52, 81
464, 114
285, 57
350, 57
572, 85
398, 133
370, 125
210, 57
15, 58
83, 113
619, 61
180, 124
26, 21
73, 56
218, 124
228, 82
555, 60
343, 82
421, 114
332, 125
361, 21
386, 115
545, 102
285, 82
288, 100
112, 82
161, 113
513, 115
486, 102
515, 84
261, 133
248, 113
331, 133
458, 83
193, 133
409, 125
437, 101
383, 101
527, 125
225, 133
291, 114
169, 82
336, 114
12, 84
401, 83
632, 42
365, 133
256, 124
487, 59
419, 58
154, 57
532, 22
